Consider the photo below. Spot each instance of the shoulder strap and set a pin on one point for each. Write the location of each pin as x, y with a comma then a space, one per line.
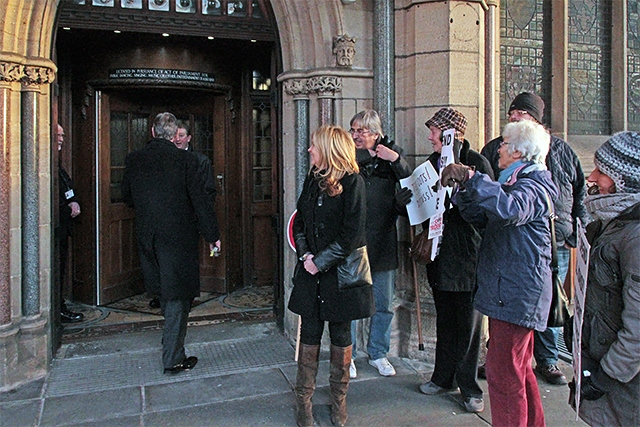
554, 249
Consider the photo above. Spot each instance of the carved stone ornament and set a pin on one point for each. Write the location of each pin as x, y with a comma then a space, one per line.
344, 48
295, 87
26, 74
326, 84
321, 84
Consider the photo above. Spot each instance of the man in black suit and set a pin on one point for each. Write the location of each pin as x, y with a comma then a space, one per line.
172, 207
68, 208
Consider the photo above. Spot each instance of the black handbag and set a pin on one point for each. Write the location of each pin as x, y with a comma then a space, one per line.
559, 311
354, 271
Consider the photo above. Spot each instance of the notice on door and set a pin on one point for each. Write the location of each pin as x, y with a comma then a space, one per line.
161, 74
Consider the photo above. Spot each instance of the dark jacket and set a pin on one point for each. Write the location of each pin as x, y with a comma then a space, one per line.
567, 175
460, 240
330, 228
164, 186
381, 177
611, 325
66, 195
514, 262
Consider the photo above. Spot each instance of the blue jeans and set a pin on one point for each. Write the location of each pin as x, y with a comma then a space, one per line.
384, 283
545, 348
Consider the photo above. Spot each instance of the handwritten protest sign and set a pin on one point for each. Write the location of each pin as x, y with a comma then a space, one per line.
422, 183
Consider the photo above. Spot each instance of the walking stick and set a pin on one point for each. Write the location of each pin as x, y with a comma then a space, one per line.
417, 292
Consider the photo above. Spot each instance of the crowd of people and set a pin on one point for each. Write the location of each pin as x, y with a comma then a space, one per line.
493, 259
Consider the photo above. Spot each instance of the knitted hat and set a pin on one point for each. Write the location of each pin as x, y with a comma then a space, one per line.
529, 102
619, 159
448, 118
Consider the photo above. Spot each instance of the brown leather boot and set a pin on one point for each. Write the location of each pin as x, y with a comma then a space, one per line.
339, 381
306, 383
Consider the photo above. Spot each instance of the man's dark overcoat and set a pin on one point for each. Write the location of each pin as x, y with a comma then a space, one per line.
162, 184
323, 224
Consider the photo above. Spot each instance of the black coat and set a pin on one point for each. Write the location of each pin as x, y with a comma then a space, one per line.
164, 186
66, 195
330, 228
567, 175
454, 269
381, 178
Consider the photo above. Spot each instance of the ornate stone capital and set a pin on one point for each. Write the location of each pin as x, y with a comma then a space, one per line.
296, 87
325, 85
37, 75
11, 72
26, 74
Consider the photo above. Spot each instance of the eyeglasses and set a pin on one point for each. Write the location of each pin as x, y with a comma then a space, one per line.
519, 113
359, 131
504, 143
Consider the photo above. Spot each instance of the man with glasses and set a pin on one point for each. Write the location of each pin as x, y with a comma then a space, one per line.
568, 176
382, 166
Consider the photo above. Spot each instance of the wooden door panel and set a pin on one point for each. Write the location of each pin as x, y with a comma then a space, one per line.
126, 120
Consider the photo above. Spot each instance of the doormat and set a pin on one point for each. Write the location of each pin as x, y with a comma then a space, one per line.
250, 297
140, 302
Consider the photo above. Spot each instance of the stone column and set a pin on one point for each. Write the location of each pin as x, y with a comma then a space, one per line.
30, 202
384, 89
300, 92
34, 77
326, 88
5, 214
492, 71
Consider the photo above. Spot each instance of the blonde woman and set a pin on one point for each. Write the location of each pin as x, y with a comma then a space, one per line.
329, 226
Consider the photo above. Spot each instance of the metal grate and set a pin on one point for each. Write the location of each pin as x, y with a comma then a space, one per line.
130, 369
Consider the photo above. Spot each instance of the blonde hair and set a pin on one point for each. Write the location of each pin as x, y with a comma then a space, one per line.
337, 158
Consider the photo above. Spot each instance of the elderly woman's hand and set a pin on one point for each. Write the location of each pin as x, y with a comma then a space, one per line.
455, 173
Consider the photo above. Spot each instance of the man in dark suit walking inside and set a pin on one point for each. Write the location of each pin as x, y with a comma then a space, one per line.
162, 184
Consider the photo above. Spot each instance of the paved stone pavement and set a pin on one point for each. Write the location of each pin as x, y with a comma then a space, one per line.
244, 377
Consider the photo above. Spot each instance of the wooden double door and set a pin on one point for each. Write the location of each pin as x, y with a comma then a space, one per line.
123, 121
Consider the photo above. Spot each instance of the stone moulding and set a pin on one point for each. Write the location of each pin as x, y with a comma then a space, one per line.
26, 74
317, 84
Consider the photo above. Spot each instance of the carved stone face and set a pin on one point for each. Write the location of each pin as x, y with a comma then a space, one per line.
344, 51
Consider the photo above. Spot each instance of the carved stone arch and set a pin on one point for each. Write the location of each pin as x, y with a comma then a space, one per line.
318, 21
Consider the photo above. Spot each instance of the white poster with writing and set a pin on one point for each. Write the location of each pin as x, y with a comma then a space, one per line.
580, 280
422, 183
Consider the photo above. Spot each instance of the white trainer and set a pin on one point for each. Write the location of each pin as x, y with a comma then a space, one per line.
353, 372
385, 368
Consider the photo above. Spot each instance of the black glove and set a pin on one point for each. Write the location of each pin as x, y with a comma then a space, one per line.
403, 197
454, 173
589, 391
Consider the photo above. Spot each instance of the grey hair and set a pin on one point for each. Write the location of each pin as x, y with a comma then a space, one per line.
368, 119
531, 139
165, 126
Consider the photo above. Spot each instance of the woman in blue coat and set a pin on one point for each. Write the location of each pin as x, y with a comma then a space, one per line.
514, 265
329, 227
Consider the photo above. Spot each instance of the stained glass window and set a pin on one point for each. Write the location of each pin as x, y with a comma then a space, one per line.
589, 67
262, 165
524, 59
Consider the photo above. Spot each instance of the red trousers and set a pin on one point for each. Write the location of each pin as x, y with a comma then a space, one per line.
513, 388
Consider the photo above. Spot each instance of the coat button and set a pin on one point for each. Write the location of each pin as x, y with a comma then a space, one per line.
500, 303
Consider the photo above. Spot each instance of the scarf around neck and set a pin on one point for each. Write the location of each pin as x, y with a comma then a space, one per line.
609, 206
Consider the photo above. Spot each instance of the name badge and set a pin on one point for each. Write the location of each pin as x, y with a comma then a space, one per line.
69, 194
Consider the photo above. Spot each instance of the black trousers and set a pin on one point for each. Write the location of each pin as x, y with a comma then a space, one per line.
176, 315
458, 329
312, 328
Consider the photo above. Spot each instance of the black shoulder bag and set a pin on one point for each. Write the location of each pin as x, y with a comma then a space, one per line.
559, 311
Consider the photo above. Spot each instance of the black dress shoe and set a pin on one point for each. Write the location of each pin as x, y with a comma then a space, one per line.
186, 364
154, 303
68, 316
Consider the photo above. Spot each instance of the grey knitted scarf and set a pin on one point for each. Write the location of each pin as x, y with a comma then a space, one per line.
609, 206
